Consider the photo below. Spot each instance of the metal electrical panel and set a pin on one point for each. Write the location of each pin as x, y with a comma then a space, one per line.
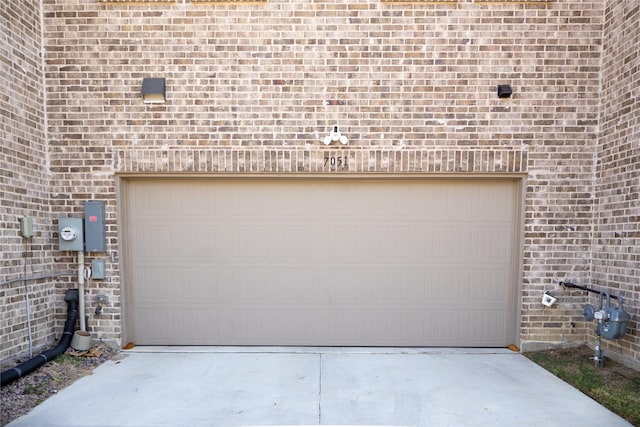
70, 236
97, 268
94, 228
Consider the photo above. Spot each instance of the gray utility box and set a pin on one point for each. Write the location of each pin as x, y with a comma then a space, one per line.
70, 236
97, 268
94, 228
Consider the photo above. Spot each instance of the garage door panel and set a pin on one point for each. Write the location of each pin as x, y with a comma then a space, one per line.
175, 283
240, 326
443, 202
476, 284
294, 326
387, 285
321, 262
151, 241
203, 326
145, 201
291, 242
160, 323
196, 202
446, 284
248, 202
365, 202
189, 327
454, 242
389, 241
196, 283
487, 204
487, 328
192, 242
365, 327
292, 287
443, 241
492, 243
447, 327
154, 283
476, 328
251, 242
487, 287
245, 283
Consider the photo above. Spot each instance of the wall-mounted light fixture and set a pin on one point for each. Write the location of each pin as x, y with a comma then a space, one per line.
153, 90
504, 91
334, 136
548, 300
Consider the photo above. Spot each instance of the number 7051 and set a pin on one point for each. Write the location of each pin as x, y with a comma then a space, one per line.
335, 161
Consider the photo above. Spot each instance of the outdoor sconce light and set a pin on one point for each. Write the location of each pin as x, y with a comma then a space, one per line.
153, 90
334, 136
504, 91
548, 300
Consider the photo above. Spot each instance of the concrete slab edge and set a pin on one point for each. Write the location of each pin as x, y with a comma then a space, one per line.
316, 350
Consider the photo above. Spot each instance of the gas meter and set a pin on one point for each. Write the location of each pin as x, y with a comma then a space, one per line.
612, 321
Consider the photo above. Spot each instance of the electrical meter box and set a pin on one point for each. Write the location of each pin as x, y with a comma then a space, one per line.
70, 234
94, 228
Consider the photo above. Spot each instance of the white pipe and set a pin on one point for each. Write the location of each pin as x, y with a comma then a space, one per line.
83, 326
26, 300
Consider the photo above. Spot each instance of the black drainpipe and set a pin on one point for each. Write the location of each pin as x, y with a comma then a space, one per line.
10, 375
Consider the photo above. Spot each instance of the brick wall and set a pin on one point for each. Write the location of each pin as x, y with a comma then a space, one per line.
264, 83
616, 254
254, 87
24, 182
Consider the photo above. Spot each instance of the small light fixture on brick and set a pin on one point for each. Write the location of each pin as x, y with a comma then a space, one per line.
548, 300
504, 91
335, 136
153, 90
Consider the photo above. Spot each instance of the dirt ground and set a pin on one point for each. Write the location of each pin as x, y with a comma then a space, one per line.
24, 394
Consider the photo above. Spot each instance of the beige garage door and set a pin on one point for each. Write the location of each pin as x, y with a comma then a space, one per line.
350, 262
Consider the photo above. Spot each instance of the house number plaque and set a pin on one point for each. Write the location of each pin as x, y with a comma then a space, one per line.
335, 162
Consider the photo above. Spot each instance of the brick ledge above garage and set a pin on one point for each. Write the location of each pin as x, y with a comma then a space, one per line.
321, 159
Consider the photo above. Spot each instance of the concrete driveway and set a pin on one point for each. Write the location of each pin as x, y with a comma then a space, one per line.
319, 386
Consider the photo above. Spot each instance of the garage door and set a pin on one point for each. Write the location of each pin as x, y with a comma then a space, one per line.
349, 262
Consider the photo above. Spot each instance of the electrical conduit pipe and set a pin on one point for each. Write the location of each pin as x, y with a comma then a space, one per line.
10, 375
81, 339
83, 325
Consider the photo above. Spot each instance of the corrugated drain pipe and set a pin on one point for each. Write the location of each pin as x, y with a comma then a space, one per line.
10, 375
